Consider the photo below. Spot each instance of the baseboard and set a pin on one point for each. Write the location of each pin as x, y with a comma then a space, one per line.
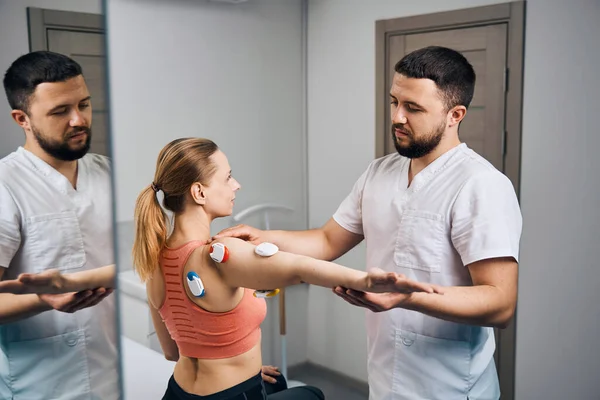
333, 376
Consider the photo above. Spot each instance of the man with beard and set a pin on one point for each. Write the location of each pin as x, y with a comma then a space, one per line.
55, 213
437, 212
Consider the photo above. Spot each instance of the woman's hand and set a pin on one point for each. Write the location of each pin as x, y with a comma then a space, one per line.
268, 372
47, 282
379, 281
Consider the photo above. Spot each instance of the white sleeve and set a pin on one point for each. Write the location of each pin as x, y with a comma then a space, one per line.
349, 213
486, 219
10, 227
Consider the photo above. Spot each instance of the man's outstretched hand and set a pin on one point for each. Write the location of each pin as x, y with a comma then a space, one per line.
71, 302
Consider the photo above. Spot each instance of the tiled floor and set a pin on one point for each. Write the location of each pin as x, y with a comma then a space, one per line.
333, 386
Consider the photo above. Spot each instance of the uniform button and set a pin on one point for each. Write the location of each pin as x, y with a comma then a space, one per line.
71, 339
408, 338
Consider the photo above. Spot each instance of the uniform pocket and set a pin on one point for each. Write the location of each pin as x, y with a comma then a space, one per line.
50, 368
429, 368
419, 241
56, 241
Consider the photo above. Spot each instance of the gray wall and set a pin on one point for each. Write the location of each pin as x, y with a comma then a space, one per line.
14, 42
557, 322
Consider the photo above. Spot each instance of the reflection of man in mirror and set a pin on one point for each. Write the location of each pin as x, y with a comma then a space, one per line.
55, 212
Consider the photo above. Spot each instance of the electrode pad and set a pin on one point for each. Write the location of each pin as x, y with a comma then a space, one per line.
266, 249
219, 252
195, 284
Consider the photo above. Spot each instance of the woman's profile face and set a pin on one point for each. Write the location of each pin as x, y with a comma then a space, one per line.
220, 192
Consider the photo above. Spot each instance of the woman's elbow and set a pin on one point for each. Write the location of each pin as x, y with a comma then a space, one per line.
171, 352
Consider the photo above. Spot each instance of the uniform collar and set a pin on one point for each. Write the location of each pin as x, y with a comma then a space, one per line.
438, 165
57, 179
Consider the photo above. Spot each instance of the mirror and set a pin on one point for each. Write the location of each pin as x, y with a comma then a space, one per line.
56, 204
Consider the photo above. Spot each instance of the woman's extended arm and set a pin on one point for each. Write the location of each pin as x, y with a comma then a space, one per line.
54, 282
245, 268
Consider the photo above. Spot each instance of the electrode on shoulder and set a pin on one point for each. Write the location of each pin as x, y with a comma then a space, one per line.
219, 252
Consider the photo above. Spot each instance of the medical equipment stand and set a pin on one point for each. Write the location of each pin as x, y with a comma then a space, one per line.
265, 208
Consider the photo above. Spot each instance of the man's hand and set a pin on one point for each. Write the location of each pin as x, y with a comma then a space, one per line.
379, 281
243, 232
71, 302
268, 372
376, 302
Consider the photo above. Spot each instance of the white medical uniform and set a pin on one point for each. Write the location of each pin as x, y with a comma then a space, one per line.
458, 210
46, 223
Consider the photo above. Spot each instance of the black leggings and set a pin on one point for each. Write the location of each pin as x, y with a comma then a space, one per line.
251, 389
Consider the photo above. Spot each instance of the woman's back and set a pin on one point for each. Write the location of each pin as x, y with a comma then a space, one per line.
218, 335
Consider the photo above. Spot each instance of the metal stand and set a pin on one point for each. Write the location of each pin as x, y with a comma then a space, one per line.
265, 208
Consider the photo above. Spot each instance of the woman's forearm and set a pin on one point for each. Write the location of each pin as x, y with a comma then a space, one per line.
329, 274
91, 279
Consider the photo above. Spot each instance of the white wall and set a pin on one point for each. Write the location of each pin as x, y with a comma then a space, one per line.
227, 72
557, 324
14, 42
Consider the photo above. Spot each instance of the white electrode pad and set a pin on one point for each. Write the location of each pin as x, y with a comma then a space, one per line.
266, 249
195, 284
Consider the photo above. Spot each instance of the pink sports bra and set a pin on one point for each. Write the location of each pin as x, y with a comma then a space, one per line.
200, 333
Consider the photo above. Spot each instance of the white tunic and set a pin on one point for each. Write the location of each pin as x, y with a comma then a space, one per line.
458, 210
46, 223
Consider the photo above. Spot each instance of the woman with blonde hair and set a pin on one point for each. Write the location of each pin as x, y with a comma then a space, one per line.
215, 338
214, 334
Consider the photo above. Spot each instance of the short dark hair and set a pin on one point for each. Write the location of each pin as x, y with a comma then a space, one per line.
449, 69
31, 69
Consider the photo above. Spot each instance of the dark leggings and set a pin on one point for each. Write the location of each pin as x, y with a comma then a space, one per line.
251, 389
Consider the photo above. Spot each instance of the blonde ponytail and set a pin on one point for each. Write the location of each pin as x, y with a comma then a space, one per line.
180, 163
150, 233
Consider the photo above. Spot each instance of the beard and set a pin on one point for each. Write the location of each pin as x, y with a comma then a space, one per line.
420, 146
62, 149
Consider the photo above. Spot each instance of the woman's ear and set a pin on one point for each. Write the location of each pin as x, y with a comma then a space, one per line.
198, 194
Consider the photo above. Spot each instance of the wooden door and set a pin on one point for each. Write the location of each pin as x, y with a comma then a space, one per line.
81, 37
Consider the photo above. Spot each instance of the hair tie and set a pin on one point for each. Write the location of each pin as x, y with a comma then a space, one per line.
154, 187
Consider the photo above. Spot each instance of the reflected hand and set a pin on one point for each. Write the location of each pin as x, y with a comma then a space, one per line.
71, 302
244, 232
47, 282
268, 372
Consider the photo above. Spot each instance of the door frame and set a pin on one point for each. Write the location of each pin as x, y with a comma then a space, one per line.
513, 14
39, 20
